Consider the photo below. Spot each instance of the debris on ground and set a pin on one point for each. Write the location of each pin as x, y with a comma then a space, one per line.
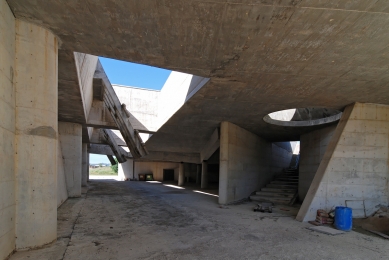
382, 212
322, 217
326, 230
264, 207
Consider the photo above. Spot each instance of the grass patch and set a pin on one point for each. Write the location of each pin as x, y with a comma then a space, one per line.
102, 171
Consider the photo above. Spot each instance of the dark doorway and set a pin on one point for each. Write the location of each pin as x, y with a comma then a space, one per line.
168, 174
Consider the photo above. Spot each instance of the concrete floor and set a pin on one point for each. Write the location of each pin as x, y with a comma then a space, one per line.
139, 220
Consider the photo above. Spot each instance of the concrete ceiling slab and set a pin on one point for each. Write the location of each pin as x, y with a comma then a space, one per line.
261, 56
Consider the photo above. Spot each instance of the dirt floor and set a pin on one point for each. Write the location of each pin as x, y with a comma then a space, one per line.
140, 220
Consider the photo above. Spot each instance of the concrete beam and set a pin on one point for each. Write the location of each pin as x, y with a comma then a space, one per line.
171, 157
100, 117
121, 157
111, 159
119, 115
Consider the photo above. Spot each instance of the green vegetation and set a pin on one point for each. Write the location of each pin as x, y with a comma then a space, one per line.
115, 166
102, 171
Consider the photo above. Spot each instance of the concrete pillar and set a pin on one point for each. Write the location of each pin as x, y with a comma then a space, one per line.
181, 175
85, 166
70, 136
125, 170
36, 122
198, 174
87, 157
204, 175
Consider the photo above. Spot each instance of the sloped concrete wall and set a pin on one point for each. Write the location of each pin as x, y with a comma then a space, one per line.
86, 66
244, 163
355, 165
313, 147
7, 131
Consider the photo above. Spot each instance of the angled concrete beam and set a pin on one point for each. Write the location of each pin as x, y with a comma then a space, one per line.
119, 115
100, 149
111, 159
115, 148
100, 117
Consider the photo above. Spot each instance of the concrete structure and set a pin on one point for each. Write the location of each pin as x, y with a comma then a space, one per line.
354, 170
234, 63
70, 137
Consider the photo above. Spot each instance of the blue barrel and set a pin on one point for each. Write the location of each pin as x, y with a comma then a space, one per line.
343, 218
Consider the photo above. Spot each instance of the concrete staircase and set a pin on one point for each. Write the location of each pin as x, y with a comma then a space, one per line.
283, 190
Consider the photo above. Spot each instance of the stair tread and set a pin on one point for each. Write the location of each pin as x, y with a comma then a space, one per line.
278, 189
275, 195
272, 185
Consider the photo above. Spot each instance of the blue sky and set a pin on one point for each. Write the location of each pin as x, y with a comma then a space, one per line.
134, 75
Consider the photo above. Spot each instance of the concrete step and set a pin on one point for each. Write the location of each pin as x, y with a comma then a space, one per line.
285, 182
275, 194
282, 186
285, 179
282, 201
279, 190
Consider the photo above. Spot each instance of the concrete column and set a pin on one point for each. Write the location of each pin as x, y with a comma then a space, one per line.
85, 166
125, 170
70, 136
36, 121
87, 157
181, 175
198, 174
204, 175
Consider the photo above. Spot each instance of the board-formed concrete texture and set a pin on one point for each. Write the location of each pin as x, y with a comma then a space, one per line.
70, 136
244, 163
354, 169
234, 63
36, 133
261, 56
313, 147
7, 131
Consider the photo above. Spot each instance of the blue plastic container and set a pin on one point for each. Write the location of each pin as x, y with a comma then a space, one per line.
343, 218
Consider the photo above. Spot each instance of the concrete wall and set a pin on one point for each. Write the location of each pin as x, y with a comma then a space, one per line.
142, 104
62, 193
281, 156
70, 136
125, 170
156, 168
150, 109
244, 163
313, 147
355, 165
7, 131
36, 131
173, 95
